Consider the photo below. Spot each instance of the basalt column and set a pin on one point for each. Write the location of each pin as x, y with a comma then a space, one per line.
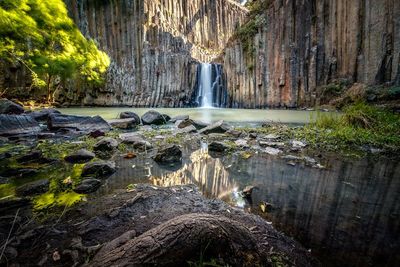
155, 47
303, 44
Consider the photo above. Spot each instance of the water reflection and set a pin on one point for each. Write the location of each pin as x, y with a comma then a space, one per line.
348, 214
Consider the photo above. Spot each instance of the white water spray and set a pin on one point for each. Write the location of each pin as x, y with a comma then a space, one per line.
206, 88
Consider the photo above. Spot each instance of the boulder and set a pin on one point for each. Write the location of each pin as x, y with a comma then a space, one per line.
137, 141
33, 188
88, 186
183, 123
9, 107
80, 123
35, 156
124, 124
170, 154
107, 144
217, 147
80, 156
130, 115
179, 118
153, 117
186, 130
43, 115
218, 127
200, 125
99, 169
18, 125
241, 143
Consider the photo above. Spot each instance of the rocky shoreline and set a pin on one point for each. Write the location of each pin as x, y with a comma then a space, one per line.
143, 224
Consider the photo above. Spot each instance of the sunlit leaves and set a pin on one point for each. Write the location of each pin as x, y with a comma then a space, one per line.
39, 34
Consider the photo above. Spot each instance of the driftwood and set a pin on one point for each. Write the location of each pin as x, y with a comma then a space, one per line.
184, 239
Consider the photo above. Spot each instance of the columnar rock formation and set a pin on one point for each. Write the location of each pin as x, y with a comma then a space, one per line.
155, 46
303, 44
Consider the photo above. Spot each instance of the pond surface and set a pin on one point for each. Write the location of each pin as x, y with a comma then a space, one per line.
348, 214
247, 116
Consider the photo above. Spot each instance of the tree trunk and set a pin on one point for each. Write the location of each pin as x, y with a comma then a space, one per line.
186, 238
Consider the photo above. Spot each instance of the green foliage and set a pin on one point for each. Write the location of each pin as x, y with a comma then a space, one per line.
361, 124
40, 35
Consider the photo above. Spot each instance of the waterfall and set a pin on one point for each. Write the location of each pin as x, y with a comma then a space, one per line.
206, 88
211, 90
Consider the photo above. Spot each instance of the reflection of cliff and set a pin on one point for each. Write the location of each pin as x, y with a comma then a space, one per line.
350, 211
206, 172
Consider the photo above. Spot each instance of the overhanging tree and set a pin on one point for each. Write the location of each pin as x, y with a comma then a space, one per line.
40, 35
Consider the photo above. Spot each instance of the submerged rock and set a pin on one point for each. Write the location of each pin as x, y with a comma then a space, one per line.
124, 123
170, 154
99, 169
18, 125
9, 107
153, 117
135, 140
130, 115
88, 186
218, 127
80, 123
80, 156
33, 188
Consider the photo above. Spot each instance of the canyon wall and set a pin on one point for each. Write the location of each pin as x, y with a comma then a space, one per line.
304, 44
155, 47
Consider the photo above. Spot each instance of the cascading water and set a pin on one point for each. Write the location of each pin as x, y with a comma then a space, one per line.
206, 86
211, 90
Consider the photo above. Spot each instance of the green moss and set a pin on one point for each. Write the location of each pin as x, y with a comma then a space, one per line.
51, 200
7, 190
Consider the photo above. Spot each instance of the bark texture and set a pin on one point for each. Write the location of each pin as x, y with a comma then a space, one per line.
183, 238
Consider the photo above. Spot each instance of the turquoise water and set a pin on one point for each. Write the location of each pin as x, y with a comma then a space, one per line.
206, 114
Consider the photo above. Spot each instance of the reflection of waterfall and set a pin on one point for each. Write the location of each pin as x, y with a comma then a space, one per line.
206, 172
210, 87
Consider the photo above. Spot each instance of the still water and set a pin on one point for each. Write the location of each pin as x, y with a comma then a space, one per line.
206, 114
347, 214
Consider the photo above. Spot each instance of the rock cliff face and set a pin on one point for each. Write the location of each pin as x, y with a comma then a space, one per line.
303, 44
155, 47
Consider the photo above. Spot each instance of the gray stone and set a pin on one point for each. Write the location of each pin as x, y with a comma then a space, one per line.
234, 133
136, 140
33, 188
130, 115
153, 117
170, 154
88, 186
186, 130
241, 143
99, 169
123, 123
183, 123
218, 127
179, 118
272, 144
107, 144
80, 123
200, 125
80, 156
9, 107
43, 115
18, 125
